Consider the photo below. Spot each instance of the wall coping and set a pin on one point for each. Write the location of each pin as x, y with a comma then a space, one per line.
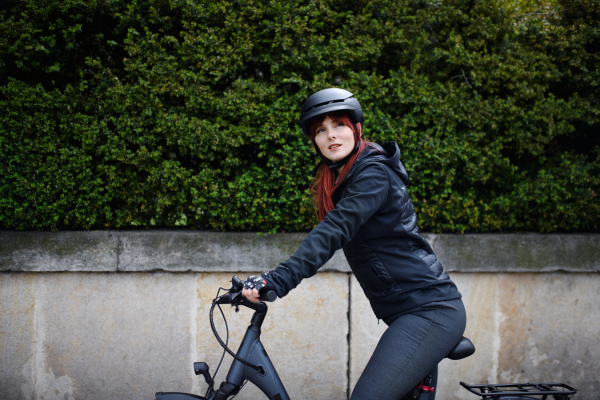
207, 251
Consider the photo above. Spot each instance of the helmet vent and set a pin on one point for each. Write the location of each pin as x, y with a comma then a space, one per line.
321, 104
325, 103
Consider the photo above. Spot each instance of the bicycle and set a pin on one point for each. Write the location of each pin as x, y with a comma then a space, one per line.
252, 363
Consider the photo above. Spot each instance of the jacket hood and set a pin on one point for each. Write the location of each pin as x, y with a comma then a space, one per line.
388, 154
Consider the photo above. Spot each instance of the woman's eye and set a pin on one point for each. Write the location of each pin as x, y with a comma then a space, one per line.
339, 124
320, 130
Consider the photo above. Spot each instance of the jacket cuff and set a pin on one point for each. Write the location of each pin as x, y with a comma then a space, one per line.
269, 285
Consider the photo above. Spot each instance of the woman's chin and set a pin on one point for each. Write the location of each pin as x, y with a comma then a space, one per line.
337, 157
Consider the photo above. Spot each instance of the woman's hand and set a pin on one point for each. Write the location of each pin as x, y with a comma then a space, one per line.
253, 286
251, 294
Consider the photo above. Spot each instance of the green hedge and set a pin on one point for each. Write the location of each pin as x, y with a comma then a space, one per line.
147, 113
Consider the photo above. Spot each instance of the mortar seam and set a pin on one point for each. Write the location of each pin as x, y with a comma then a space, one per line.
118, 248
349, 337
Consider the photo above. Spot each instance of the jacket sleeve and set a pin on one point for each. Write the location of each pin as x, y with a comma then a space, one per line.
365, 194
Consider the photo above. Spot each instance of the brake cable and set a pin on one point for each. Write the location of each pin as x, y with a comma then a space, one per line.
210, 388
212, 325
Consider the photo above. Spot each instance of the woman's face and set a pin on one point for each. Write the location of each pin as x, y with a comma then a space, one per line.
335, 140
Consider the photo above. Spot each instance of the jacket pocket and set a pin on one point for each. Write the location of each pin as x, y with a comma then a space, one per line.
373, 278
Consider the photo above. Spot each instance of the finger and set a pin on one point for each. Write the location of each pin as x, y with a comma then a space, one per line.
249, 294
254, 297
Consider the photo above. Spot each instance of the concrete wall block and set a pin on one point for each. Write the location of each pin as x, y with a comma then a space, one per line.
548, 330
528, 327
58, 251
305, 335
17, 334
527, 252
211, 251
102, 336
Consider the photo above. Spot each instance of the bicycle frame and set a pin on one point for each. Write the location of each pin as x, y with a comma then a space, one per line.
250, 350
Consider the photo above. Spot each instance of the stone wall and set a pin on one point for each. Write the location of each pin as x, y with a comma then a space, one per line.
121, 315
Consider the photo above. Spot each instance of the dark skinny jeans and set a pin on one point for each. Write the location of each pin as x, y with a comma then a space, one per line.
410, 348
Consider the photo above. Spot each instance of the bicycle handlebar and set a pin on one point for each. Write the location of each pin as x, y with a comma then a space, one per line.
269, 295
238, 284
235, 298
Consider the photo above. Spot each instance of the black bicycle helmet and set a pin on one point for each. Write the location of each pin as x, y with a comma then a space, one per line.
326, 101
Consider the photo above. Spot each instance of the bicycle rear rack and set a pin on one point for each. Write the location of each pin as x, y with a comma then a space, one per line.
559, 391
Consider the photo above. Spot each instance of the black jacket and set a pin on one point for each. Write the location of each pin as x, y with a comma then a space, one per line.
374, 221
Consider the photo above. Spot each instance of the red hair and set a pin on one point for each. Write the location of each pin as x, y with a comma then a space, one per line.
325, 183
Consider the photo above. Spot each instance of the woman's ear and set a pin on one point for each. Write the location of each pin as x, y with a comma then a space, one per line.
359, 129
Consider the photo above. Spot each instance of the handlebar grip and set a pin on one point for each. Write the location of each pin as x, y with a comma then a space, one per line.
269, 295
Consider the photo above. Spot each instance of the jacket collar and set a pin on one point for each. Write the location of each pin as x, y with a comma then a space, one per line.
387, 154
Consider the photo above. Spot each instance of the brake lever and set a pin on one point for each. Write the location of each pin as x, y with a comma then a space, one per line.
227, 298
235, 296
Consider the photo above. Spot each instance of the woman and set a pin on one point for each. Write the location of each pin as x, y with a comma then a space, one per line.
364, 208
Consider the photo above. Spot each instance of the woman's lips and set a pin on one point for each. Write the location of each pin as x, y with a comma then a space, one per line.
334, 146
